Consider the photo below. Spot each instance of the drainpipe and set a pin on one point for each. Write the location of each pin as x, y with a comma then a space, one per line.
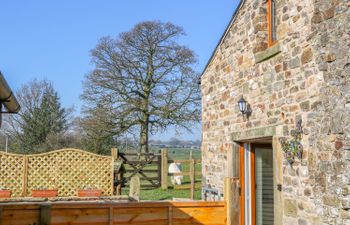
7, 98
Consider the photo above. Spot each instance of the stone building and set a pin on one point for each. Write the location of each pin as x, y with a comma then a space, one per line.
290, 61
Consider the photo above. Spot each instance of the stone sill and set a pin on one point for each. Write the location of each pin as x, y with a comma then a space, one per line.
268, 53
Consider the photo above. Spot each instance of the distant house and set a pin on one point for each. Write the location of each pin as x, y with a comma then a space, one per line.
288, 64
7, 98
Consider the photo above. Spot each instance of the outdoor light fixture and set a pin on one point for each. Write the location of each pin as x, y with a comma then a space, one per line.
244, 107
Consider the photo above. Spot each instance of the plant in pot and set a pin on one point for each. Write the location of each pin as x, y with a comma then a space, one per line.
44, 192
5, 193
89, 191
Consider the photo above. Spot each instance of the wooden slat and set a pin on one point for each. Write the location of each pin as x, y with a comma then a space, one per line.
185, 161
141, 215
149, 186
180, 174
199, 215
20, 217
145, 171
86, 216
139, 162
185, 187
137, 154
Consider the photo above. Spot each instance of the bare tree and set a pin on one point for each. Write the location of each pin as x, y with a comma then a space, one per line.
146, 79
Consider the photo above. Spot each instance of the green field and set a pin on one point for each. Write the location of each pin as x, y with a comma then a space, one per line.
159, 194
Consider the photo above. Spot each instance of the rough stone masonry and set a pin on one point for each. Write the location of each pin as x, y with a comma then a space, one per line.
305, 75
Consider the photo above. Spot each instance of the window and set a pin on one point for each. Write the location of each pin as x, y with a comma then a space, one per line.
271, 17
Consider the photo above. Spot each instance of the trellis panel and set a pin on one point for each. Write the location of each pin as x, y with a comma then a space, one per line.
12, 172
66, 170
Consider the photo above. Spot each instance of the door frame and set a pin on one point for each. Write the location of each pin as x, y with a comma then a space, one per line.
252, 187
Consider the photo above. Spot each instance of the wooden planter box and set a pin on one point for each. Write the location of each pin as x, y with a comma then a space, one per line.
5, 193
89, 193
44, 193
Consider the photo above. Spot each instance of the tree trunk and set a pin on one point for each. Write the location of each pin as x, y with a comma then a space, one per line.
144, 138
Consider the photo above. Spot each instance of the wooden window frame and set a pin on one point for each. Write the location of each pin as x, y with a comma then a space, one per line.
271, 21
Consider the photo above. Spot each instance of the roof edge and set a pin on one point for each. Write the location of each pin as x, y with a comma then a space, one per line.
224, 35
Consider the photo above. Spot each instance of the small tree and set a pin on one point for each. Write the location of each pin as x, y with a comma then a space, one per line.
41, 115
145, 81
97, 131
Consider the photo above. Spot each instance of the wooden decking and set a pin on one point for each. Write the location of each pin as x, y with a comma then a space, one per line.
98, 213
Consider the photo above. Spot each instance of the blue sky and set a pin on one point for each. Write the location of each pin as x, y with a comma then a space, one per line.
51, 39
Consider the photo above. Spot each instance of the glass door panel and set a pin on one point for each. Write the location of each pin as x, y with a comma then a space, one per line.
264, 187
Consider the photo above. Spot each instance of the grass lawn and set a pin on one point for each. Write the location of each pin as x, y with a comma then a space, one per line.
159, 194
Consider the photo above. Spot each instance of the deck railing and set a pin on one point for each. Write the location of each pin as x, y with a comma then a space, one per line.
59, 213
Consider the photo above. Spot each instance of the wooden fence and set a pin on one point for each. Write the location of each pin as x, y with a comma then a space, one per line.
155, 213
66, 170
191, 173
145, 165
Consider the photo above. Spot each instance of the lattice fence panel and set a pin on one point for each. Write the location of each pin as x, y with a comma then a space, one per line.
69, 170
12, 173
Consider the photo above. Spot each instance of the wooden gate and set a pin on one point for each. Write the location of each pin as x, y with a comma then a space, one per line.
147, 166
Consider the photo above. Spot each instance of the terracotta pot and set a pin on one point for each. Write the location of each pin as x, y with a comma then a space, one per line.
5, 193
44, 193
89, 193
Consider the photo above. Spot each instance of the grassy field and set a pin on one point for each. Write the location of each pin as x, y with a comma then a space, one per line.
159, 194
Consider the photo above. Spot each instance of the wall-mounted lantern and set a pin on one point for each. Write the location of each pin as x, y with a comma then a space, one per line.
244, 107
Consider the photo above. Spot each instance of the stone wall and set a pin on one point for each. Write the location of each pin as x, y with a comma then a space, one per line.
330, 121
307, 78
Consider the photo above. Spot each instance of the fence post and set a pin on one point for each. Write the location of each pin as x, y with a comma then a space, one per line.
232, 198
135, 186
164, 181
116, 175
114, 152
45, 214
1, 215
192, 177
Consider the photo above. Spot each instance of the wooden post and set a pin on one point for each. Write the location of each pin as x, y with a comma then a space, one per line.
114, 154
232, 198
25, 176
164, 153
159, 168
233, 161
1, 215
119, 186
45, 214
192, 177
